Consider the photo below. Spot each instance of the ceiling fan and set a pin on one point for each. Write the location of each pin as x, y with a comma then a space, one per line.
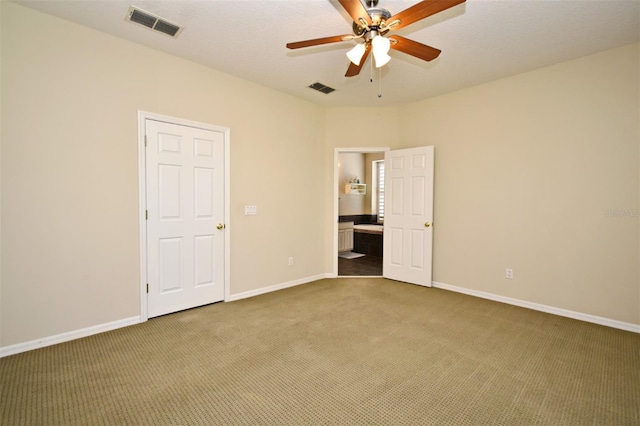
372, 23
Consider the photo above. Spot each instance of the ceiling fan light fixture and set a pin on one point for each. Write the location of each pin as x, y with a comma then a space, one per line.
371, 23
355, 54
380, 47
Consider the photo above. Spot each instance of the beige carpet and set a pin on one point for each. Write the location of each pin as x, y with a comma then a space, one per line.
345, 351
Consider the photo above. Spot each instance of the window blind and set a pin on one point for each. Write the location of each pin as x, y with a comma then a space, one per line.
380, 189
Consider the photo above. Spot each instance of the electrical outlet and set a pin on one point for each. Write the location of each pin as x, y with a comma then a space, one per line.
291, 261
509, 274
250, 210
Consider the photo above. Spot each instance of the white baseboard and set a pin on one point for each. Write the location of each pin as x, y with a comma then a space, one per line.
276, 287
101, 328
65, 337
77, 334
635, 328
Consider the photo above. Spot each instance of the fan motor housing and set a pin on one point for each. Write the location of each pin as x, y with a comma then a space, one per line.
378, 17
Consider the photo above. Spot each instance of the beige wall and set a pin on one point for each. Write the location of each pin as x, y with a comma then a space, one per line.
526, 170
70, 97
350, 166
1, 241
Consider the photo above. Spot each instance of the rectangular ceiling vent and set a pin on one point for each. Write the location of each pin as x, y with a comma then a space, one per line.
322, 88
153, 22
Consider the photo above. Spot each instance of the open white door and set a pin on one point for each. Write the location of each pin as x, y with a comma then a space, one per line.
185, 223
408, 206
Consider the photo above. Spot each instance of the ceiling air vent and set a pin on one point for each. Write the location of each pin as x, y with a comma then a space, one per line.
152, 21
322, 88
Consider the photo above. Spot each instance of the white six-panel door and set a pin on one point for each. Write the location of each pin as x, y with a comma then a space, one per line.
185, 216
408, 230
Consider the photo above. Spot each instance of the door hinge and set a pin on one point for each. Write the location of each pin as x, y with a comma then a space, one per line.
147, 287
145, 140
146, 215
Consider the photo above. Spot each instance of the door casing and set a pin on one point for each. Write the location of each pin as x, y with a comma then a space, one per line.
142, 188
336, 193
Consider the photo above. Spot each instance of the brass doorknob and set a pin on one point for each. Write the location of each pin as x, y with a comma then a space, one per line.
220, 226
427, 224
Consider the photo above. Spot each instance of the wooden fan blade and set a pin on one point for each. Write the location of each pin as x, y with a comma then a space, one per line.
413, 48
318, 41
422, 10
354, 69
356, 10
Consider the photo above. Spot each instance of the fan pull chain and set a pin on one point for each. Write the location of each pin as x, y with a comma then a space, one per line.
371, 70
379, 78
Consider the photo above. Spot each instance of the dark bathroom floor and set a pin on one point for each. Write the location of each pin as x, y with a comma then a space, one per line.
367, 265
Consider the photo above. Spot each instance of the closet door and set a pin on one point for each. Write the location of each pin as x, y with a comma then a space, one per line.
185, 216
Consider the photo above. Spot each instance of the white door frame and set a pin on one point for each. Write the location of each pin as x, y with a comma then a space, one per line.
336, 193
142, 200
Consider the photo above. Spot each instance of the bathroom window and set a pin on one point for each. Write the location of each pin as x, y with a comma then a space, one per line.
378, 187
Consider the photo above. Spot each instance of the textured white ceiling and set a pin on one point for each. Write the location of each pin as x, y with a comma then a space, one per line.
481, 41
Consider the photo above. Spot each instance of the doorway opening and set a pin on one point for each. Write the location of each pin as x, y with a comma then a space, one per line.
358, 231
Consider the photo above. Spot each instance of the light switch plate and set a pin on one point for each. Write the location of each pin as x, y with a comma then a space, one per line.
250, 210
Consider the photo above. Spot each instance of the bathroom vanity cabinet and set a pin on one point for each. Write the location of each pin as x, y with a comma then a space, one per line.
345, 236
